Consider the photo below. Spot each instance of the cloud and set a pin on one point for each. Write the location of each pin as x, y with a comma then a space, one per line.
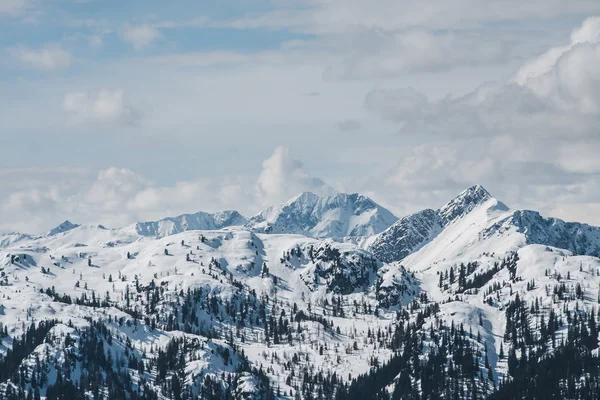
29, 209
49, 57
283, 176
398, 105
524, 137
114, 187
530, 139
119, 196
588, 33
556, 95
566, 75
376, 53
339, 16
102, 107
140, 36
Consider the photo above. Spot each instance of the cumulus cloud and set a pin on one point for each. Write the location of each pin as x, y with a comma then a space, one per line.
114, 197
102, 107
140, 36
531, 137
114, 187
283, 176
555, 95
33, 201
587, 33
49, 57
27, 209
567, 75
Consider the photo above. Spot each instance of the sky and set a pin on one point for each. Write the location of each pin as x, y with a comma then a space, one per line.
115, 112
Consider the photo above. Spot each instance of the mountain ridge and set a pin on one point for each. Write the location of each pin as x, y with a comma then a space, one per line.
412, 232
331, 216
250, 313
188, 222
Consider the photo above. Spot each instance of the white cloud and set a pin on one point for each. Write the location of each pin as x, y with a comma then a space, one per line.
283, 176
568, 75
49, 57
516, 136
140, 36
114, 187
556, 95
588, 32
119, 196
531, 139
100, 107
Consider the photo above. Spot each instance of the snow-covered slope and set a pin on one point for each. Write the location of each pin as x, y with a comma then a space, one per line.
335, 216
267, 307
410, 233
65, 226
188, 222
407, 235
464, 203
475, 217
9, 239
579, 238
315, 282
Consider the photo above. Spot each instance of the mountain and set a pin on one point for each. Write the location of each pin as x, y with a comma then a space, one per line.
406, 235
473, 300
65, 226
581, 239
10, 239
188, 222
335, 216
410, 233
464, 203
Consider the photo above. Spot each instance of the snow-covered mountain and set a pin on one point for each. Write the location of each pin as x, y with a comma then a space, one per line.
189, 222
65, 226
581, 239
406, 235
335, 216
438, 304
411, 233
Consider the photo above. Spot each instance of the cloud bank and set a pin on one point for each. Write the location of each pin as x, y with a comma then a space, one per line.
118, 196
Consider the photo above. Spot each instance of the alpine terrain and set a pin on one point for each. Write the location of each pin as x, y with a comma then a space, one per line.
316, 298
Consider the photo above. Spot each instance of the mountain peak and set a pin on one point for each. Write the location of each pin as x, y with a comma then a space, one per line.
464, 203
63, 227
330, 216
475, 190
304, 197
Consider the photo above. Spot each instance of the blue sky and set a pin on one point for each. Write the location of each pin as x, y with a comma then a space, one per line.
171, 107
